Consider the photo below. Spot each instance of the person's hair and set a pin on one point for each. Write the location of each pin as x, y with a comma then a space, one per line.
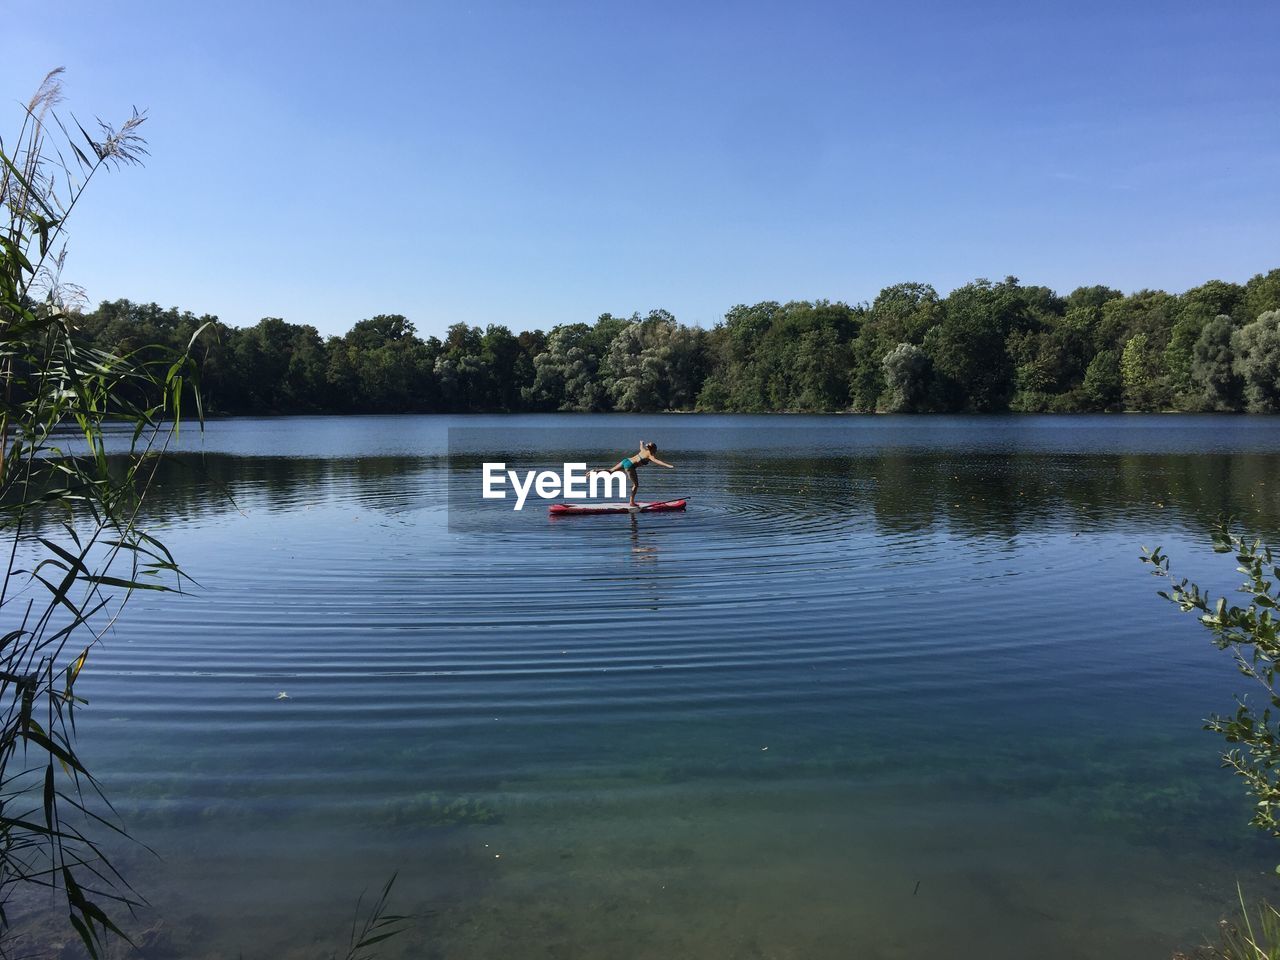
651, 446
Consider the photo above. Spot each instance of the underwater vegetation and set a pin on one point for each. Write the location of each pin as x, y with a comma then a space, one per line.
434, 810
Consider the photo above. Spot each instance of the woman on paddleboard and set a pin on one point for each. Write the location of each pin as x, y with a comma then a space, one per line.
629, 465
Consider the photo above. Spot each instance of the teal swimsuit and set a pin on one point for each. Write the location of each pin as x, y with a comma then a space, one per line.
627, 464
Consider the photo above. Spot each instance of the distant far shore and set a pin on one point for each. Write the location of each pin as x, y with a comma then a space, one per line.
986, 347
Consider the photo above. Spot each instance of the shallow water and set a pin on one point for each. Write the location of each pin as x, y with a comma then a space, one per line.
891, 687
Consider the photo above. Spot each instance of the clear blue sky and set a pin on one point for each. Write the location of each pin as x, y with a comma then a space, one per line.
541, 162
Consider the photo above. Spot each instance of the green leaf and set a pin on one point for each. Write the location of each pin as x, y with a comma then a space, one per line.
48, 795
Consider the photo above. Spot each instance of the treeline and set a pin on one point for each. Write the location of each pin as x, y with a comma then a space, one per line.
984, 347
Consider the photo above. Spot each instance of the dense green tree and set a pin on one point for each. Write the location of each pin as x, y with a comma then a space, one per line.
803, 360
1215, 384
464, 371
1049, 363
654, 364
714, 395
1261, 293
866, 378
902, 313
907, 371
342, 376
771, 356
1145, 320
820, 368
1148, 311
532, 343
1257, 362
376, 332
565, 374
1084, 311
736, 342
1103, 385
125, 326
303, 385
1091, 298
968, 347
280, 368
1141, 371
1196, 308
384, 365
501, 356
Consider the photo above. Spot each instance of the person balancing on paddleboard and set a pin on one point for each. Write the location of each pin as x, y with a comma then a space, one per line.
629, 465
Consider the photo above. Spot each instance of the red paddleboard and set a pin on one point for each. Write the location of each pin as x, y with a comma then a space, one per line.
585, 509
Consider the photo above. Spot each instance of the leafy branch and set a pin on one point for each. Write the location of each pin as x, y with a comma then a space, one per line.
1252, 634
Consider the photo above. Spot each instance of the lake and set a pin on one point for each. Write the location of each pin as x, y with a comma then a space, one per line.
891, 687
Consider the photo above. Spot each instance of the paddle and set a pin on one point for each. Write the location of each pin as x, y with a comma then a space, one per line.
650, 506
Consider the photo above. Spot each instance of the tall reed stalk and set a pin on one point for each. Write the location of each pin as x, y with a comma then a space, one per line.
69, 513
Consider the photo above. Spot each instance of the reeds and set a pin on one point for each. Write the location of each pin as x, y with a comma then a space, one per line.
1247, 940
75, 552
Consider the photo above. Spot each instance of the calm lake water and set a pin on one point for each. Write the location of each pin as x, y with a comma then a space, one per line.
890, 688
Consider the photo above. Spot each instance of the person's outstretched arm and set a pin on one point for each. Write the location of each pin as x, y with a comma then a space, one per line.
661, 463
